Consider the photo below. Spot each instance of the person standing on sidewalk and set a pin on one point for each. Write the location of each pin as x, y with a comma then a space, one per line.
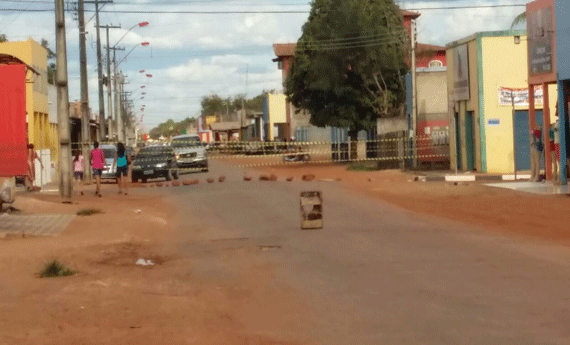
98, 164
31, 176
122, 161
78, 168
536, 149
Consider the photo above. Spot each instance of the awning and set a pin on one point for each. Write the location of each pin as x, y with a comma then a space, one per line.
6, 59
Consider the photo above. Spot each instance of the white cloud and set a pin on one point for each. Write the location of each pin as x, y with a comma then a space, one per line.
196, 54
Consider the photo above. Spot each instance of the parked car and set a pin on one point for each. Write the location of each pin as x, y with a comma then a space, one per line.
154, 162
190, 152
110, 169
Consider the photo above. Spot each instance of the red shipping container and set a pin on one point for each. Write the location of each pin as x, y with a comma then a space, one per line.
13, 140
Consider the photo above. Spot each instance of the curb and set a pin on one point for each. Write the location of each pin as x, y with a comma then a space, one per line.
473, 178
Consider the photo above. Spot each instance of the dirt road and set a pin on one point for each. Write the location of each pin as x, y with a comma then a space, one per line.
232, 266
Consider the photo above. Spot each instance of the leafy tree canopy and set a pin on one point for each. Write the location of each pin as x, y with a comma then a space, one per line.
350, 63
170, 128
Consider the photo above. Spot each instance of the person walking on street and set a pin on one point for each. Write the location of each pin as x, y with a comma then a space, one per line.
78, 168
98, 164
536, 149
31, 176
122, 161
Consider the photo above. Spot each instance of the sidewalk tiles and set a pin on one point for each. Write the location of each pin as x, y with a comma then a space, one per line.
533, 187
35, 225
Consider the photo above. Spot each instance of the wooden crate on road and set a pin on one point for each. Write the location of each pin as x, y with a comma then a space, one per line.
311, 210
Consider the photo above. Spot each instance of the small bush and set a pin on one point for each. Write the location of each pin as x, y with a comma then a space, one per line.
88, 212
361, 167
56, 269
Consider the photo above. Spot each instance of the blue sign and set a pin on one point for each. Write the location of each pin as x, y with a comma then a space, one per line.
493, 122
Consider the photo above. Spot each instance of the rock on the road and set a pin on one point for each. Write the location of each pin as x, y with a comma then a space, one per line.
308, 177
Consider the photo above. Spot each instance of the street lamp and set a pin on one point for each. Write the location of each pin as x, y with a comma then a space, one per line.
144, 44
140, 25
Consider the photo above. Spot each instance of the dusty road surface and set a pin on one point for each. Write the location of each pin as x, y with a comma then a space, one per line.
233, 267
375, 274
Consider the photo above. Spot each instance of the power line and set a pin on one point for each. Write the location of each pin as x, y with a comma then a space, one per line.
261, 12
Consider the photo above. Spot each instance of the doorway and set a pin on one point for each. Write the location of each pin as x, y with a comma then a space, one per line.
458, 143
522, 139
469, 141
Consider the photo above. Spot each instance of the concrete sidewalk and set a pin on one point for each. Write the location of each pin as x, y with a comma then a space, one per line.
450, 176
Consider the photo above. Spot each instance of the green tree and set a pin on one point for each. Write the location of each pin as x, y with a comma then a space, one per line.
520, 19
349, 64
3, 38
51, 73
213, 104
45, 44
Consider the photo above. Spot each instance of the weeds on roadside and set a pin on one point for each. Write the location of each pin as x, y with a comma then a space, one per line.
55, 268
88, 212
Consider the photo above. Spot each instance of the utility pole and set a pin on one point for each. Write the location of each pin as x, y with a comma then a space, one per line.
109, 87
414, 99
115, 76
116, 83
120, 106
85, 123
102, 130
65, 182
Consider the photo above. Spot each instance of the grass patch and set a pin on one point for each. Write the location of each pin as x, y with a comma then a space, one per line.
89, 212
362, 166
56, 269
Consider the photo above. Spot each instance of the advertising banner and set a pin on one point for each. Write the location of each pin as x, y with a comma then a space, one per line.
14, 142
461, 72
520, 95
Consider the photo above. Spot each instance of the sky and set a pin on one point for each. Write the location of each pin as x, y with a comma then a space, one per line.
192, 55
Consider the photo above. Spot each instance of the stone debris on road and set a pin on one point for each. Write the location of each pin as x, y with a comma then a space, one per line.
143, 262
222, 178
308, 177
175, 183
210, 180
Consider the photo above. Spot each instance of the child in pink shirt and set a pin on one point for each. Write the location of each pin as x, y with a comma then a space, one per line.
98, 164
78, 161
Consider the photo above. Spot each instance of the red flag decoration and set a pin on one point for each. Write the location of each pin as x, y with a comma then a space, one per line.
149, 75
142, 87
145, 44
141, 71
144, 93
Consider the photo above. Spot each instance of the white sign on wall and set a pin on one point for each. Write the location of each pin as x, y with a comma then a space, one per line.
520, 96
461, 72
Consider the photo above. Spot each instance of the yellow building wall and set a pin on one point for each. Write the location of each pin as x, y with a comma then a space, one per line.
40, 132
504, 65
276, 105
461, 107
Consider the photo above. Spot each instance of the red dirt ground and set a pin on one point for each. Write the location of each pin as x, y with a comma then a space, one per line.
492, 209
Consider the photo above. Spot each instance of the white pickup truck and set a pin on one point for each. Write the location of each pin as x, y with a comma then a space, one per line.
190, 152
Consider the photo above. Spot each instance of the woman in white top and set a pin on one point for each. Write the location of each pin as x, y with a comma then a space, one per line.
78, 164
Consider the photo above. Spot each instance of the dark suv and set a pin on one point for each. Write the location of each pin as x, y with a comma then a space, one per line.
154, 161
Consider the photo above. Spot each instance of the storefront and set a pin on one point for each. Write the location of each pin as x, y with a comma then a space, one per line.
489, 104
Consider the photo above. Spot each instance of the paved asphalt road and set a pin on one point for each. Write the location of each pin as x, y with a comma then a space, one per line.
379, 275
